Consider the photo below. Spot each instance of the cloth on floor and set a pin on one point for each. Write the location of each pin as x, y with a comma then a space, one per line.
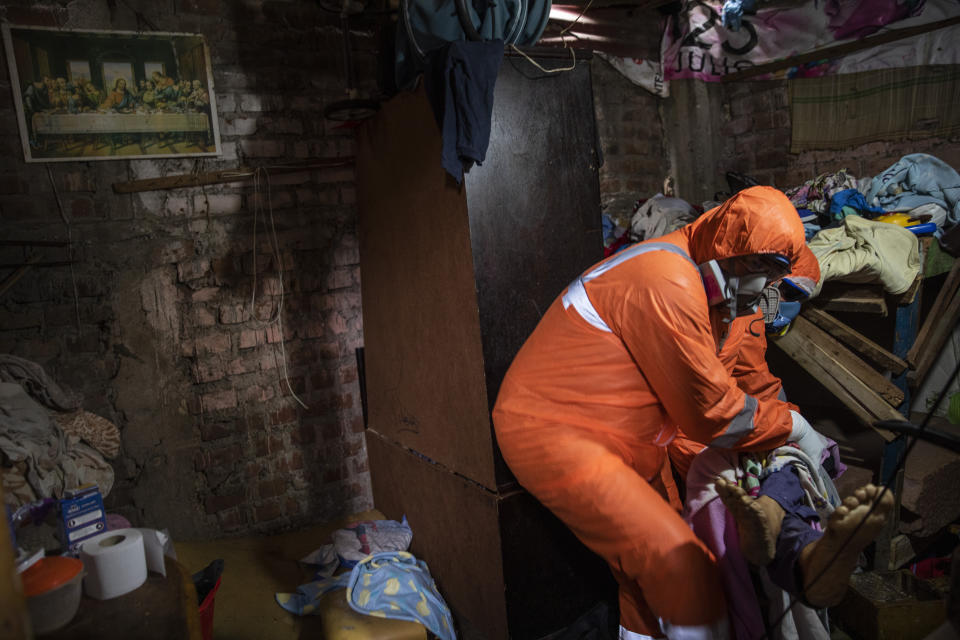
355, 542
392, 584
863, 251
659, 215
459, 82
37, 383
815, 194
45, 460
714, 525
917, 179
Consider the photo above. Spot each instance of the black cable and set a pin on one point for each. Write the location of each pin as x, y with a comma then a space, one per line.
885, 487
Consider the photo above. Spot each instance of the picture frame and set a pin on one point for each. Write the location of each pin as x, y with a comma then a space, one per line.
111, 95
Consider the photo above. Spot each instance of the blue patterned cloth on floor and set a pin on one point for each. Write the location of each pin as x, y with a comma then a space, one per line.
392, 584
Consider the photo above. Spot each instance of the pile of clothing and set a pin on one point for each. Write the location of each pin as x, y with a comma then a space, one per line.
862, 230
48, 443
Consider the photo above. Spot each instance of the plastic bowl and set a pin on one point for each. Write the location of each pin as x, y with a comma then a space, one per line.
53, 589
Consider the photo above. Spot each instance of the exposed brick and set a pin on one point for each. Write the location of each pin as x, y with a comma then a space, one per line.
274, 335
329, 350
268, 511
176, 206
233, 314
219, 401
267, 444
205, 294
216, 343
226, 103
218, 204
321, 379
239, 126
215, 504
263, 148
257, 394
173, 251
203, 317
193, 269
215, 430
272, 488
232, 519
250, 338
241, 365
291, 462
304, 434
283, 416
292, 382
209, 370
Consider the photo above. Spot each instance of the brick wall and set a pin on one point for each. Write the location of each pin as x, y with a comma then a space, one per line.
756, 129
631, 140
157, 322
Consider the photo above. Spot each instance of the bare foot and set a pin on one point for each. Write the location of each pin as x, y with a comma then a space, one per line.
758, 521
826, 556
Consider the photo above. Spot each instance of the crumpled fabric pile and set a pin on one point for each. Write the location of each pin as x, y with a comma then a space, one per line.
864, 251
353, 543
51, 450
392, 584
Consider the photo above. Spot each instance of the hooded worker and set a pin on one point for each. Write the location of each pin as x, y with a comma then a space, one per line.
640, 346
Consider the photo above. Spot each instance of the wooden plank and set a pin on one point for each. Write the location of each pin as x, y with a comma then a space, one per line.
448, 515
837, 380
14, 619
239, 174
423, 352
940, 330
944, 296
855, 340
890, 392
856, 298
840, 49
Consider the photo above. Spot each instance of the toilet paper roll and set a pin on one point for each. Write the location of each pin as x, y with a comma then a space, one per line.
115, 563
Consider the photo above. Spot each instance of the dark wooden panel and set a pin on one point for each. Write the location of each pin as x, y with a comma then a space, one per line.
534, 205
423, 358
455, 530
551, 578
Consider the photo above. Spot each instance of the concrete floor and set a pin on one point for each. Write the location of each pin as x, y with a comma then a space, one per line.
255, 568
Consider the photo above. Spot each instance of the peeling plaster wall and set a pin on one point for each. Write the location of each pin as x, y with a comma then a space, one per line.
157, 323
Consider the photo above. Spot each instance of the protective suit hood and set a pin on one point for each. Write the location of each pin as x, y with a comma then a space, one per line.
755, 220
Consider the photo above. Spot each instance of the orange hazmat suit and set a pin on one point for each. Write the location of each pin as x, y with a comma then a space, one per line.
626, 357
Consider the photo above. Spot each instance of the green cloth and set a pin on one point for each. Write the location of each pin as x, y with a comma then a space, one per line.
863, 251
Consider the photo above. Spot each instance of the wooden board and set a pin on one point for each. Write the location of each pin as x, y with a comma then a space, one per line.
422, 345
941, 302
939, 329
455, 530
858, 298
855, 340
862, 401
14, 621
845, 358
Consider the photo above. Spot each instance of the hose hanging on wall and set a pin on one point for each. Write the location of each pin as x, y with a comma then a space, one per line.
428, 25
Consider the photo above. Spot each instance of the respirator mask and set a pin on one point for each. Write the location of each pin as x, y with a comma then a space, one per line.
781, 304
738, 283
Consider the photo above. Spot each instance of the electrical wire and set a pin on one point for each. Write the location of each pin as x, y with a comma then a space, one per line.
261, 174
876, 501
